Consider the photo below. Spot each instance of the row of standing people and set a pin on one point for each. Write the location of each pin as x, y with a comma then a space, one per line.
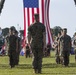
63, 47
36, 41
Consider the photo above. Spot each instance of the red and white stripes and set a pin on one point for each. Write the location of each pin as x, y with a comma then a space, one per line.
29, 17
43, 11
47, 24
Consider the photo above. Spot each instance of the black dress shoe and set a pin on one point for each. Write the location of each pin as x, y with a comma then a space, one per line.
12, 66
36, 71
66, 65
39, 71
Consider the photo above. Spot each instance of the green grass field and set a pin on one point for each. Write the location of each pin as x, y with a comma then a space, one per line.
25, 66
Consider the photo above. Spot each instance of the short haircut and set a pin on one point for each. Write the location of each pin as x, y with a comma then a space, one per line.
36, 15
12, 28
16, 32
65, 29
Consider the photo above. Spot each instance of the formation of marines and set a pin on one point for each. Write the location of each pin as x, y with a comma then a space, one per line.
63, 47
37, 45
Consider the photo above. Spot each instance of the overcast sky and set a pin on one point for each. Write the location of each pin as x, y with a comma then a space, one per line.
62, 13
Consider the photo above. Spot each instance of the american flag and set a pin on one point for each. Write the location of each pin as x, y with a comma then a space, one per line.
42, 8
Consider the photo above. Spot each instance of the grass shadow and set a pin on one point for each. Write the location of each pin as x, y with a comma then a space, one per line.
54, 65
20, 66
29, 66
4, 66
72, 65
51, 65
24, 66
